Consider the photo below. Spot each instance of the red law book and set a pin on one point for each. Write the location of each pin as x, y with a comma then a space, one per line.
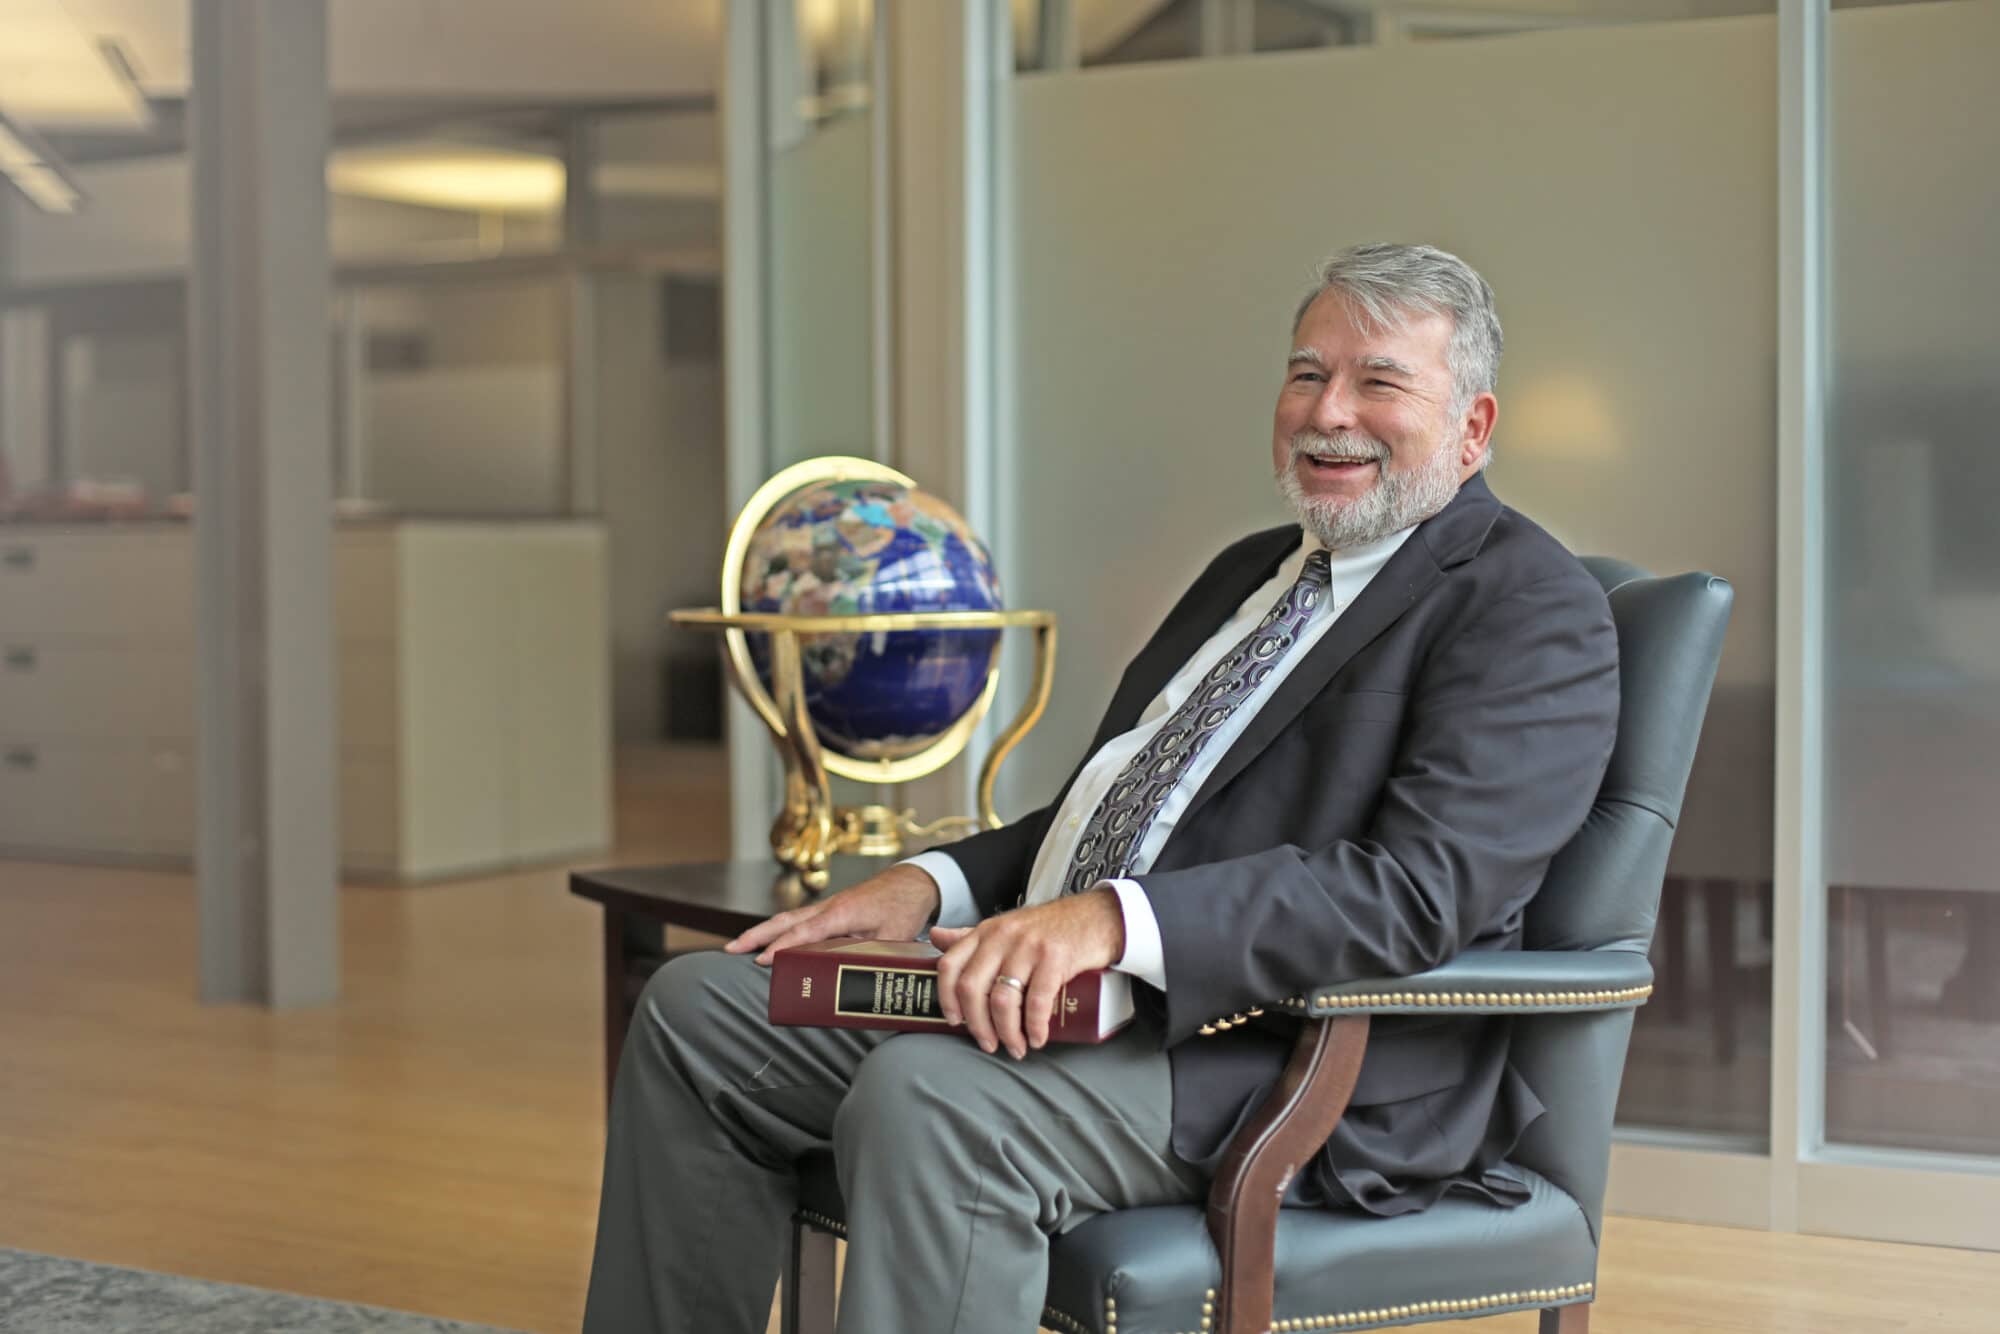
848, 982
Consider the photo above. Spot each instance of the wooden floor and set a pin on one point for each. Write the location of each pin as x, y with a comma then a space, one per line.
433, 1142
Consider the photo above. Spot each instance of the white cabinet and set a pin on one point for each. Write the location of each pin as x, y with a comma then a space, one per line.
473, 685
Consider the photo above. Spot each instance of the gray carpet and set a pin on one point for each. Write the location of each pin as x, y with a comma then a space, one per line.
45, 1294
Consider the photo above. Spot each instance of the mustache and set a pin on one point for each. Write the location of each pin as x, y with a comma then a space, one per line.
1347, 446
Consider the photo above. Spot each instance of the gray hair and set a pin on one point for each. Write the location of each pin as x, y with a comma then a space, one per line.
1387, 283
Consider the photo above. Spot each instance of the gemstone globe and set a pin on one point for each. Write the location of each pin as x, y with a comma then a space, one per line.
853, 547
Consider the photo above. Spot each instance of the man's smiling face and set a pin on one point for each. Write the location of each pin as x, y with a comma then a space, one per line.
1366, 440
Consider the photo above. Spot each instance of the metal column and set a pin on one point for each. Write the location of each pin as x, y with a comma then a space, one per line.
260, 409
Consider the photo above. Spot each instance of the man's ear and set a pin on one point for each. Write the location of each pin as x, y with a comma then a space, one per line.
1476, 431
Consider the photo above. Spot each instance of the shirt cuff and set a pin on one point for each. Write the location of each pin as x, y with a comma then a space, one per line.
1145, 956
955, 905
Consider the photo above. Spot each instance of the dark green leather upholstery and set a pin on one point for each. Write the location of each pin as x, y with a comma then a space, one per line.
1152, 1270
1583, 970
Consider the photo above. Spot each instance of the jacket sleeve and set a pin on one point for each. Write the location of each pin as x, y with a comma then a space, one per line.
1509, 730
996, 862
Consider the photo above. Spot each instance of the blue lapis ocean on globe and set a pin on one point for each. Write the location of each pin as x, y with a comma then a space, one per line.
853, 547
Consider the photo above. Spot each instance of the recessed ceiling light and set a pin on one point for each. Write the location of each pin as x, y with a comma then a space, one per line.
470, 178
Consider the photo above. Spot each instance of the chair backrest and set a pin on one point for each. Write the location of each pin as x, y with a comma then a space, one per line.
1602, 891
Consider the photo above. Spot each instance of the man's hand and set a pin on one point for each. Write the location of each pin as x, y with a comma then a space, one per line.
892, 905
1042, 947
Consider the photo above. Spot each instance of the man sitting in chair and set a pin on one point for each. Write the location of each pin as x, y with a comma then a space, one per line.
1349, 752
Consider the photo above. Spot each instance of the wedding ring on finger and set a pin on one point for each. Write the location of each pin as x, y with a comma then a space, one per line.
1005, 981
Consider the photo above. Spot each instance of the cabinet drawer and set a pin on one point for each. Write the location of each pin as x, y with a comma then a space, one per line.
78, 795
140, 799
167, 809
111, 583
92, 688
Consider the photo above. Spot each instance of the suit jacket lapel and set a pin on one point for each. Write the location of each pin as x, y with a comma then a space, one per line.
1447, 538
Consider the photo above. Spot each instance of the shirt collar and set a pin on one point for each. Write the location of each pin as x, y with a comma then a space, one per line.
1350, 569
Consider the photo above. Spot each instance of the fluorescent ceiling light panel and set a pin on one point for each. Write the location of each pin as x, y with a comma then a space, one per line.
33, 170
46, 190
15, 155
53, 73
467, 178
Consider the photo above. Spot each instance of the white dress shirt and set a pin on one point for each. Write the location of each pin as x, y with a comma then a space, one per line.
1144, 957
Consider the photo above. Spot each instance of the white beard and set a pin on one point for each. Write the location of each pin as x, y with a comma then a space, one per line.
1396, 501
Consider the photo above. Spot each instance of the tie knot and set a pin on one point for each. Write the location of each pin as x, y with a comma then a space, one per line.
1319, 569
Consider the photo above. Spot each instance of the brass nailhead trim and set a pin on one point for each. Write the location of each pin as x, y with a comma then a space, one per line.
1537, 1297
1440, 999
1479, 999
823, 1223
1063, 1321
1443, 1307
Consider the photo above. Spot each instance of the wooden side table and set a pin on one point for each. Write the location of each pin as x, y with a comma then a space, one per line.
723, 898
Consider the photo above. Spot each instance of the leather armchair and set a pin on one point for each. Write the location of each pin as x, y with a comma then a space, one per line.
1243, 1265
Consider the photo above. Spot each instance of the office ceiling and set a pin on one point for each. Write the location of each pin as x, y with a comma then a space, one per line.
60, 60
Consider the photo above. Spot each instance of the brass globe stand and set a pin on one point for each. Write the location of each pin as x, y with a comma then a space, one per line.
810, 828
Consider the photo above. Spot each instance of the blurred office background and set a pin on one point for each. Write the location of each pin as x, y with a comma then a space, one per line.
522, 332
591, 276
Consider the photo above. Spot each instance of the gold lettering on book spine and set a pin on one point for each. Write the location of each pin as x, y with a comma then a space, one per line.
894, 993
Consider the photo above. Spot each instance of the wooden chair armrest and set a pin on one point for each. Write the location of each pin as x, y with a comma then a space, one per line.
1295, 1120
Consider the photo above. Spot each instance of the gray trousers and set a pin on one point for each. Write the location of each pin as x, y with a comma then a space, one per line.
956, 1166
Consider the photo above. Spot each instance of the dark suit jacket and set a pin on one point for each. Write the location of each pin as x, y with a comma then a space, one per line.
1397, 801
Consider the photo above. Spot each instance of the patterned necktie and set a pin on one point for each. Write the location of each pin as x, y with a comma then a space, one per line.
1120, 821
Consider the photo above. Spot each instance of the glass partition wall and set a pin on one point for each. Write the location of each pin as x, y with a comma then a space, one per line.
1740, 255
806, 282
1912, 636
1823, 1050
465, 247
822, 133
1163, 232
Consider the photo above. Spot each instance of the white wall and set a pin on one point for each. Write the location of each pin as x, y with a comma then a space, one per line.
660, 463
477, 440
474, 324
820, 339
1615, 185
24, 394
122, 400
478, 429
